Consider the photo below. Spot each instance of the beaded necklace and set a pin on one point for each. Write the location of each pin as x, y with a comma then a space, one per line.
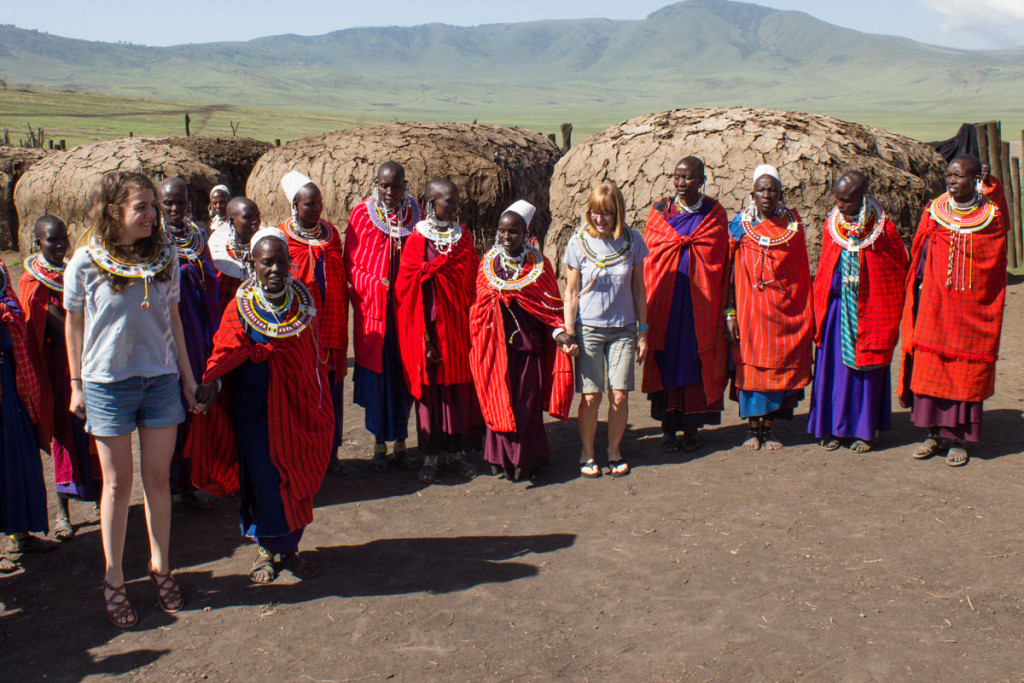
846, 234
608, 260
45, 272
102, 257
764, 242
442, 233
402, 225
190, 243
969, 219
962, 223
317, 237
277, 321
529, 260
685, 208
218, 222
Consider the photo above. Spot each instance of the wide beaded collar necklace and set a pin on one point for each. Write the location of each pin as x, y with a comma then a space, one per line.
847, 234
277, 321
526, 269
970, 219
49, 275
135, 270
405, 219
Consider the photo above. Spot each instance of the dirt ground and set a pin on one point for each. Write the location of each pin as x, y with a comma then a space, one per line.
721, 566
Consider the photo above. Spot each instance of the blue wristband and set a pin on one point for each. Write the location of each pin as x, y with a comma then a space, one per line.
641, 327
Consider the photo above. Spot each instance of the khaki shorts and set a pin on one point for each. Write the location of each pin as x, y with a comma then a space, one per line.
607, 358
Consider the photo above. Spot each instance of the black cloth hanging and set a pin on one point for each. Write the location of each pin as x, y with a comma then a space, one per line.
964, 142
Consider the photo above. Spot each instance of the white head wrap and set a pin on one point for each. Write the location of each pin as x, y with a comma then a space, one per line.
274, 233
766, 169
524, 209
292, 182
225, 188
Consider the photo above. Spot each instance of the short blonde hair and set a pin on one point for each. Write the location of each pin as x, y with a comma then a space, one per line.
605, 198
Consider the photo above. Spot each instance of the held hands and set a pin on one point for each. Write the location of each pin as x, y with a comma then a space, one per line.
568, 344
205, 395
433, 357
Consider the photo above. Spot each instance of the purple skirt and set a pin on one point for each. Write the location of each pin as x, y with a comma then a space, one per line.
846, 403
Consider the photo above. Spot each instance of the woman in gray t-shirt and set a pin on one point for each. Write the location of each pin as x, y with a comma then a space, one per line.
606, 305
126, 352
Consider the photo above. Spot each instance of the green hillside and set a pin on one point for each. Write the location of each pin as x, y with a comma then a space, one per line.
592, 72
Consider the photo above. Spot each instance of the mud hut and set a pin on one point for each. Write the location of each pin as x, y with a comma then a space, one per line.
810, 151
14, 161
61, 183
492, 165
233, 156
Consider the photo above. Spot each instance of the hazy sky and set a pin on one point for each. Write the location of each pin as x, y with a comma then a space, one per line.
973, 24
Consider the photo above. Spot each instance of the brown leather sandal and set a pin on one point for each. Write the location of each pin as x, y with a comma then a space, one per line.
168, 595
120, 612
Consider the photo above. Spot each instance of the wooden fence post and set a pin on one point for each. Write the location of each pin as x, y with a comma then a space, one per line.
1013, 243
994, 149
1016, 207
566, 137
981, 130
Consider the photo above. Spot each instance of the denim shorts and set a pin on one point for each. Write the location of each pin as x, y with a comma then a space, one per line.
613, 348
117, 408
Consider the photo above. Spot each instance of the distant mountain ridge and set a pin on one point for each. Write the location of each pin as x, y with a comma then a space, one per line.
699, 52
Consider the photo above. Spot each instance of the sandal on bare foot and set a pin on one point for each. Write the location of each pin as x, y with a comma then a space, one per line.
771, 442
7, 565
263, 570
830, 443
618, 468
62, 529
380, 461
957, 455
168, 595
753, 440
861, 446
120, 612
403, 458
299, 566
928, 447
27, 543
669, 443
590, 469
691, 442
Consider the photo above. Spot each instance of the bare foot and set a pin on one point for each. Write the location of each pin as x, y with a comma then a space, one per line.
957, 455
928, 447
753, 441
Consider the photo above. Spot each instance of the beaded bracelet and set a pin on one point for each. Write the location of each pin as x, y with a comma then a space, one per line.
730, 313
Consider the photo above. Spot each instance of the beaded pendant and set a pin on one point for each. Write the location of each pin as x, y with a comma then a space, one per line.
400, 228
46, 273
287, 320
530, 272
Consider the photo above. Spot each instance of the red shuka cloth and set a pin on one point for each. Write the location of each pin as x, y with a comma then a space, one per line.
452, 276
776, 323
489, 361
227, 287
332, 305
35, 299
883, 274
992, 188
709, 252
26, 365
301, 419
368, 260
954, 343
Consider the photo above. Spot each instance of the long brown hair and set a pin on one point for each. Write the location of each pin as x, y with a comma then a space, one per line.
109, 198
